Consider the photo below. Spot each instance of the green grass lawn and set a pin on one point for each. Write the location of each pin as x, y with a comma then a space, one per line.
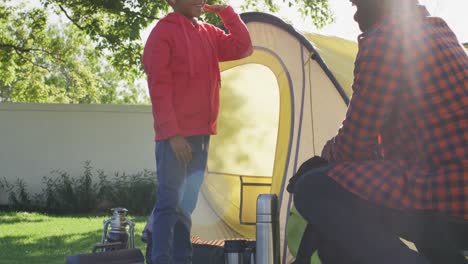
43, 239
38, 238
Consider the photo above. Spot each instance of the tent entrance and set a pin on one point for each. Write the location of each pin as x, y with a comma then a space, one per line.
243, 155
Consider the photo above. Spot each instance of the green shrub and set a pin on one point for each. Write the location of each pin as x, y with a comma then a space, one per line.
91, 192
5, 185
133, 191
19, 197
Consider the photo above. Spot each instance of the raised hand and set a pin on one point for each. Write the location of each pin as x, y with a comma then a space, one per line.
213, 8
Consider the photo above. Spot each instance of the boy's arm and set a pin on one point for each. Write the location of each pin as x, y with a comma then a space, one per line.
237, 44
156, 62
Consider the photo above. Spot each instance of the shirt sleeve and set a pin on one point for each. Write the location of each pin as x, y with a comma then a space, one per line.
237, 44
156, 62
377, 78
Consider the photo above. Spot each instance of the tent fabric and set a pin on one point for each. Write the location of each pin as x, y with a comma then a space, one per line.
310, 71
207, 223
339, 55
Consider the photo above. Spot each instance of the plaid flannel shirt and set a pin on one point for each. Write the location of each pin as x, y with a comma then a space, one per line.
403, 143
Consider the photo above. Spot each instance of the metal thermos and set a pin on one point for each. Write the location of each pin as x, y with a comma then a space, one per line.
267, 234
234, 251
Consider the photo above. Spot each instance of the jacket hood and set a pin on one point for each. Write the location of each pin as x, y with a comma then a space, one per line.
175, 18
184, 22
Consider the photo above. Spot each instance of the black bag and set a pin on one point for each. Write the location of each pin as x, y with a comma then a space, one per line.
122, 256
207, 254
202, 254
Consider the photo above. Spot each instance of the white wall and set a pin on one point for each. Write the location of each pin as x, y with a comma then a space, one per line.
38, 138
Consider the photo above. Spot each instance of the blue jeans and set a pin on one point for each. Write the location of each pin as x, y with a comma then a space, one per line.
176, 198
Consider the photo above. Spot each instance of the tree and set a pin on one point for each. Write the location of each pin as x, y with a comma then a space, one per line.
96, 56
58, 63
115, 25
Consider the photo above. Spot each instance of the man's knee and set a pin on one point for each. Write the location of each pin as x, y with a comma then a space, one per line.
310, 194
311, 183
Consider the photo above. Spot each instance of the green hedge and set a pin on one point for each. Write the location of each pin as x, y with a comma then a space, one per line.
91, 192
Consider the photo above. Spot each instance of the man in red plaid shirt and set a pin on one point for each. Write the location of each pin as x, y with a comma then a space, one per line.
398, 166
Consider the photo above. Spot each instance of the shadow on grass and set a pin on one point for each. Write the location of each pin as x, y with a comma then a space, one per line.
20, 247
16, 220
50, 250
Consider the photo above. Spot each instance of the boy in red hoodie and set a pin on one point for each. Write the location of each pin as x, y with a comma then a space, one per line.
181, 61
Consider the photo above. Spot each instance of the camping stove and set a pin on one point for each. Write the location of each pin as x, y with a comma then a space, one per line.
117, 238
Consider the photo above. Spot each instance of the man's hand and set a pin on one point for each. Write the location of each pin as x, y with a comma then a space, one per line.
182, 149
213, 8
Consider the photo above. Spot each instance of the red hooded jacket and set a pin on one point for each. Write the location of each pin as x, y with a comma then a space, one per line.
181, 61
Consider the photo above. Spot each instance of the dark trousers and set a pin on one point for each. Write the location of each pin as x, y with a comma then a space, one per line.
352, 230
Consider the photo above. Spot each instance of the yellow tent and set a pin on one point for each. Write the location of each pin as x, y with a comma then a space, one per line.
303, 81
